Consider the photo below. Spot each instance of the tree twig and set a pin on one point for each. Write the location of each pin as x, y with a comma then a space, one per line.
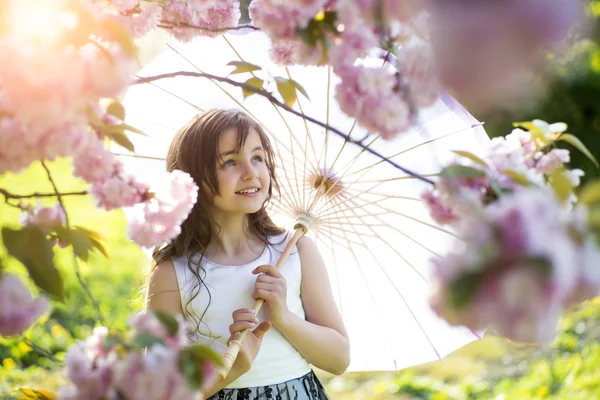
169, 25
278, 103
86, 289
10, 195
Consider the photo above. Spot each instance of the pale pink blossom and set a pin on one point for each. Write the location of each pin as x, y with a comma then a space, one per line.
487, 51
281, 19
439, 212
149, 323
44, 217
96, 163
210, 15
18, 308
152, 376
121, 190
90, 369
145, 21
382, 12
516, 260
160, 219
372, 96
555, 158
418, 70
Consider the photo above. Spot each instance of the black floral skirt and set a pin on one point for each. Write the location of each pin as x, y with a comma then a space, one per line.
306, 387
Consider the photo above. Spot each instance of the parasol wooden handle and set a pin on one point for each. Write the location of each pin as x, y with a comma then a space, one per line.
230, 355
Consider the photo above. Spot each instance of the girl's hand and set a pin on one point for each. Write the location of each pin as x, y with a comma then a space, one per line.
271, 286
244, 318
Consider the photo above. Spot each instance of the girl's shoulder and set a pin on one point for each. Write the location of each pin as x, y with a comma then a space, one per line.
279, 241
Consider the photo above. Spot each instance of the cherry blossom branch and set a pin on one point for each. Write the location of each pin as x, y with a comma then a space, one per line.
86, 289
10, 195
278, 103
169, 25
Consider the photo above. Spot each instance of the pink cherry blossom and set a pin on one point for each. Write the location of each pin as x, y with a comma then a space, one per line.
152, 376
18, 308
121, 190
487, 51
372, 96
90, 369
519, 253
555, 158
418, 69
281, 19
96, 163
149, 323
200, 14
44, 217
160, 219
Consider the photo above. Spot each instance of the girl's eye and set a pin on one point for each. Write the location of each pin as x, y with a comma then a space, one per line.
228, 163
257, 158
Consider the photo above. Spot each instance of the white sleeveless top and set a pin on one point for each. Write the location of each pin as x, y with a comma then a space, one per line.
231, 288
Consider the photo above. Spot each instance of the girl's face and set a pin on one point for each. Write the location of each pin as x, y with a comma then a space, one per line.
243, 176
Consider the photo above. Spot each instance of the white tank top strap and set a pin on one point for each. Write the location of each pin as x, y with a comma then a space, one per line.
225, 289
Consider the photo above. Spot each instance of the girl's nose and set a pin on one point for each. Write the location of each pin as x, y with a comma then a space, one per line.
249, 172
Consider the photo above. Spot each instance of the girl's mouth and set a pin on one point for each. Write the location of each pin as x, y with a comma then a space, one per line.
249, 192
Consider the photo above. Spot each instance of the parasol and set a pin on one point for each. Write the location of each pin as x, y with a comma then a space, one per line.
362, 210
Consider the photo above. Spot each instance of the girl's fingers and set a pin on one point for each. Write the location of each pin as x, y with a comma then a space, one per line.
235, 336
269, 287
237, 327
268, 270
244, 315
267, 278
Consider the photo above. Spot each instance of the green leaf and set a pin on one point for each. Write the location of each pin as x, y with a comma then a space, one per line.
145, 339
561, 184
30, 246
79, 239
116, 109
463, 289
578, 144
168, 321
287, 90
590, 193
300, 88
133, 129
116, 133
254, 82
97, 240
111, 341
517, 177
242, 66
462, 171
537, 133
471, 157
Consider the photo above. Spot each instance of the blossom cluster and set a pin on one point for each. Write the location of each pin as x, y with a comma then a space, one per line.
156, 362
519, 264
18, 308
517, 159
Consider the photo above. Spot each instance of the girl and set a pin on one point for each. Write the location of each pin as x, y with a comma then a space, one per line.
224, 257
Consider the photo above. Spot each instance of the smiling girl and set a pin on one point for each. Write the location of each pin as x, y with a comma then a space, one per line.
224, 259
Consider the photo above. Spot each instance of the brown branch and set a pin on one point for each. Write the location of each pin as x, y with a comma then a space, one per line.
86, 289
170, 25
278, 103
10, 195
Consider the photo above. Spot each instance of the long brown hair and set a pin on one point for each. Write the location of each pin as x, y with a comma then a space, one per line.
194, 150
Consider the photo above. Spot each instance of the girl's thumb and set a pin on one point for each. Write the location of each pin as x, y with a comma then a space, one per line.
261, 329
